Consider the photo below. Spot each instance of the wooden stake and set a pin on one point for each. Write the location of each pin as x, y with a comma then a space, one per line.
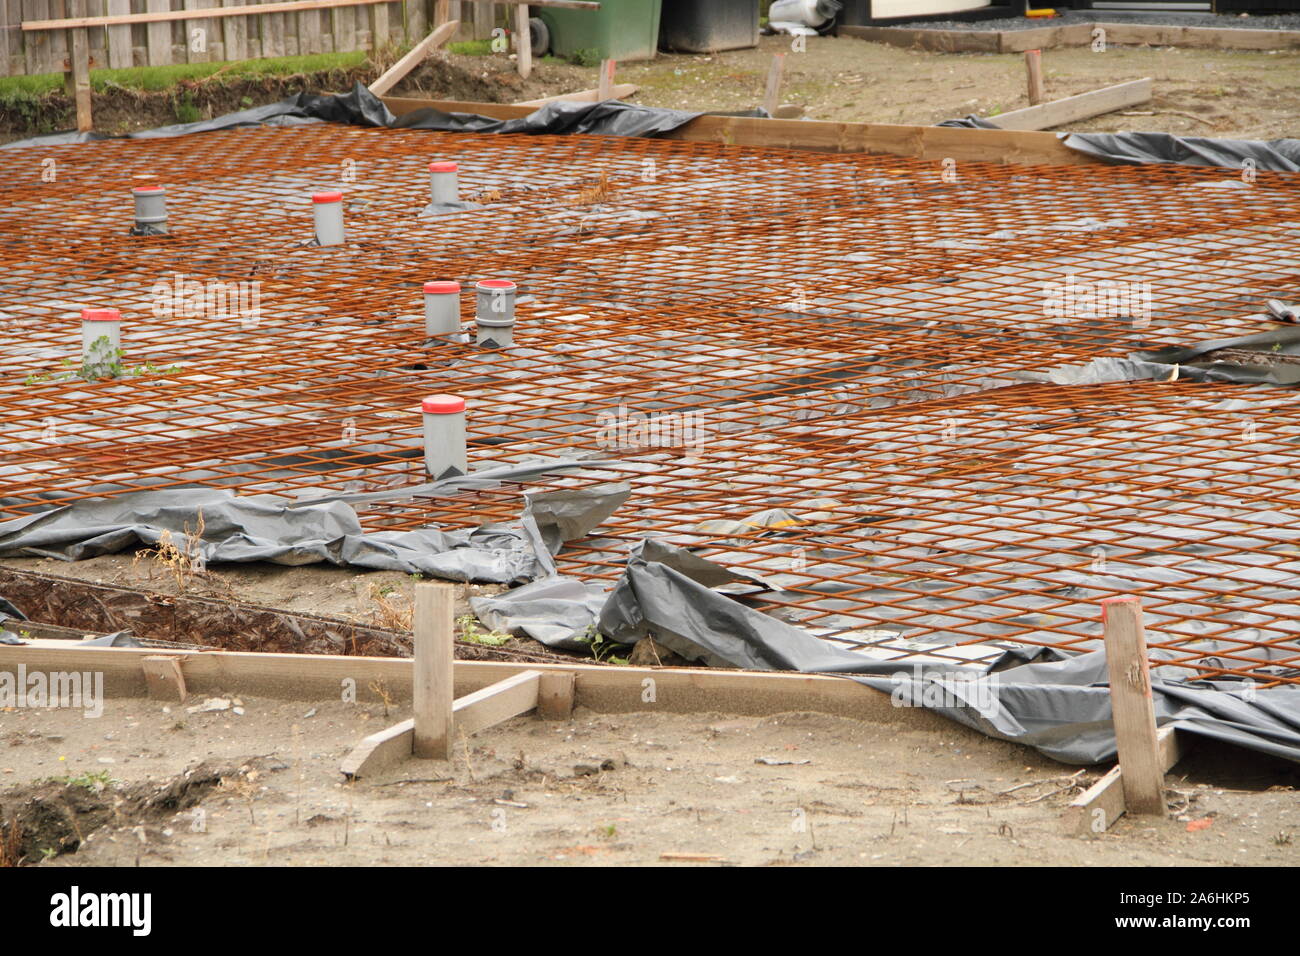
433, 690
605, 88
441, 12
440, 35
1034, 67
772, 96
555, 695
164, 677
523, 41
1131, 705
79, 59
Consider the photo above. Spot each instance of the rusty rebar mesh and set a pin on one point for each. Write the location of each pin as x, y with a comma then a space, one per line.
818, 368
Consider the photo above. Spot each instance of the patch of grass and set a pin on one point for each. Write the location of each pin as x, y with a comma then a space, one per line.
186, 111
14, 88
471, 47
95, 780
587, 57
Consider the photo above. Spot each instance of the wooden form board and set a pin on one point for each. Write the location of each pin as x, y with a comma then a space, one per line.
510, 697
618, 92
1098, 807
919, 142
603, 688
1076, 34
1071, 109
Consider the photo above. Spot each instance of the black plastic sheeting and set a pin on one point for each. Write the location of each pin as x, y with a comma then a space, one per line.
1274, 155
264, 528
363, 108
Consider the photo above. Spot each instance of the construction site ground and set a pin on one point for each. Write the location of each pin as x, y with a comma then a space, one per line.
1198, 92
920, 791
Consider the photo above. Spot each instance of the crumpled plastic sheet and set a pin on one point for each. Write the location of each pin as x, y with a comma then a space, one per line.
1058, 705
362, 108
9, 611
1132, 148
264, 528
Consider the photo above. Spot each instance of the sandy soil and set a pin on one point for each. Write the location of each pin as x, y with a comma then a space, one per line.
368, 597
1228, 94
1197, 92
530, 792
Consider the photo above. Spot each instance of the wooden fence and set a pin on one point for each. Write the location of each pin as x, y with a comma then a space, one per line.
341, 29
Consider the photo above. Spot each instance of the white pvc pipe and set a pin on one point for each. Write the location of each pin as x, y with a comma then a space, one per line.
444, 436
150, 207
494, 312
441, 308
444, 185
327, 210
96, 325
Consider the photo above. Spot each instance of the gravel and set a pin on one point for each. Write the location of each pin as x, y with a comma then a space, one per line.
1286, 21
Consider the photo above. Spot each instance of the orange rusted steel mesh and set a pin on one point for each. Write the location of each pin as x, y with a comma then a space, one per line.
828, 371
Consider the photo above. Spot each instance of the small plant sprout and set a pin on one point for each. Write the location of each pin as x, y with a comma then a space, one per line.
470, 632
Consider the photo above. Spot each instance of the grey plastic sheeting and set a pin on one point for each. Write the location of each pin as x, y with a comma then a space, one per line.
1060, 706
1274, 155
264, 528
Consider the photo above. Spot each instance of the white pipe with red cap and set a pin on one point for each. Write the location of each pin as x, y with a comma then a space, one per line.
327, 211
444, 436
101, 336
444, 185
441, 308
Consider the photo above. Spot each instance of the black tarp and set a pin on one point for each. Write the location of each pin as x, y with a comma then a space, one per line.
362, 108
1135, 148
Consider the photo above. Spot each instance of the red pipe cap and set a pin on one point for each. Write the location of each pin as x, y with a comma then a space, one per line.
442, 405
495, 284
147, 190
101, 315
326, 197
442, 167
442, 288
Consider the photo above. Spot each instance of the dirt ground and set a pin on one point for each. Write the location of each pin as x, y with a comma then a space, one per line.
530, 792
1229, 94
319, 589
1197, 92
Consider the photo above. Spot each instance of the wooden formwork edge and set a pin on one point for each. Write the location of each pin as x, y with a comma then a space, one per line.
602, 688
1017, 147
